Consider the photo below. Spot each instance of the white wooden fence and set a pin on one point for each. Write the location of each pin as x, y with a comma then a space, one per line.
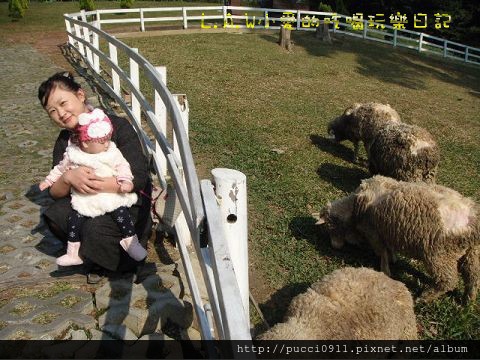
201, 215
255, 18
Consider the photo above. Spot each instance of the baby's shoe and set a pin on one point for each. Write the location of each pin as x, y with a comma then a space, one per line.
71, 257
133, 248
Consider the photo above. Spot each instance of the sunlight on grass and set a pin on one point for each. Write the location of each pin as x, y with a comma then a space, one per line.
263, 111
248, 97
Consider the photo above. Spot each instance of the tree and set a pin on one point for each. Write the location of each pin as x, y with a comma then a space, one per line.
126, 4
16, 9
87, 5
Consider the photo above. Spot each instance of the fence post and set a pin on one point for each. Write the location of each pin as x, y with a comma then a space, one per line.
445, 48
394, 37
231, 192
184, 11
78, 33
420, 41
365, 26
142, 23
299, 20
466, 54
98, 19
69, 31
161, 114
86, 37
135, 78
96, 60
115, 78
182, 105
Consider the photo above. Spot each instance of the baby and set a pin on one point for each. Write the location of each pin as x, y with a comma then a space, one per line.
95, 150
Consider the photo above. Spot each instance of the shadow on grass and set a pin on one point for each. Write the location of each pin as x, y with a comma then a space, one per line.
399, 66
331, 147
304, 227
357, 256
343, 178
276, 307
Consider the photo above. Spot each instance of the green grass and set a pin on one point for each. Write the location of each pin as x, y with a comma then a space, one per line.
248, 97
45, 16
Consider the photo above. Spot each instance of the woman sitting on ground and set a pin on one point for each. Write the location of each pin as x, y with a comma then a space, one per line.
64, 100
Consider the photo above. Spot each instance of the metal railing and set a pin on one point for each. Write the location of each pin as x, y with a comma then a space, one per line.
247, 17
201, 216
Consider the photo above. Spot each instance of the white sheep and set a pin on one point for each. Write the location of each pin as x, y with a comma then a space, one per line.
349, 304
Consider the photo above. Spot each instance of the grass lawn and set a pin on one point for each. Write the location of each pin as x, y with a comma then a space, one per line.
263, 111
258, 109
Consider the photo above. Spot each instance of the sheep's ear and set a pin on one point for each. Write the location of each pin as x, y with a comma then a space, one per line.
320, 218
350, 110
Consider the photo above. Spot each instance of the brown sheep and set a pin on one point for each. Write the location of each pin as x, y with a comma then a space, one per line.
360, 122
404, 152
349, 304
431, 223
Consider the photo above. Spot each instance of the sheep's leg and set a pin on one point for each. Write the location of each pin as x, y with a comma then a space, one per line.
470, 269
381, 251
444, 272
355, 151
384, 263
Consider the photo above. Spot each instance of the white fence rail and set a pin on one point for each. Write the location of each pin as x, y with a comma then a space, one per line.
201, 215
247, 17
116, 67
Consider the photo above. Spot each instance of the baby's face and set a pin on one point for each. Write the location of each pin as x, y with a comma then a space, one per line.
94, 147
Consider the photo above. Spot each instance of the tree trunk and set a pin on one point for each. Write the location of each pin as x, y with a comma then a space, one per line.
323, 33
285, 39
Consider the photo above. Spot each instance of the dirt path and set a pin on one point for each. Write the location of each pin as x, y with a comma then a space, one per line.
47, 43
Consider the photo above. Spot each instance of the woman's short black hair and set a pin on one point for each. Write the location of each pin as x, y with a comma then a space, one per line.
63, 79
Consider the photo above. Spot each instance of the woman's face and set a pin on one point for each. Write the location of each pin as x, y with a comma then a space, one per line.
64, 106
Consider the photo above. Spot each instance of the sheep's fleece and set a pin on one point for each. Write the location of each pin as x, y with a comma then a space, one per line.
404, 152
349, 304
431, 223
360, 122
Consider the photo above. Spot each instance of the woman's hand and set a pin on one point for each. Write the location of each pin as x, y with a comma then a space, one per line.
107, 184
83, 180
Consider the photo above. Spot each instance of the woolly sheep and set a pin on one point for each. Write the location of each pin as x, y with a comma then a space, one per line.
349, 304
404, 152
360, 122
431, 223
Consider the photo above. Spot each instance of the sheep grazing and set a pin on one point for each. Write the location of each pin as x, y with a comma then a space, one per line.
360, 122
349, 304
404, 152
431, 223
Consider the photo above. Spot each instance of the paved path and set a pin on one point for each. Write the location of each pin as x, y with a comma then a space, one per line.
36, 300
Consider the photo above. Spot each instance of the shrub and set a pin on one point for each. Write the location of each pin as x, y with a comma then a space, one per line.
324, 7
126, 4
16, 9
87, 5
